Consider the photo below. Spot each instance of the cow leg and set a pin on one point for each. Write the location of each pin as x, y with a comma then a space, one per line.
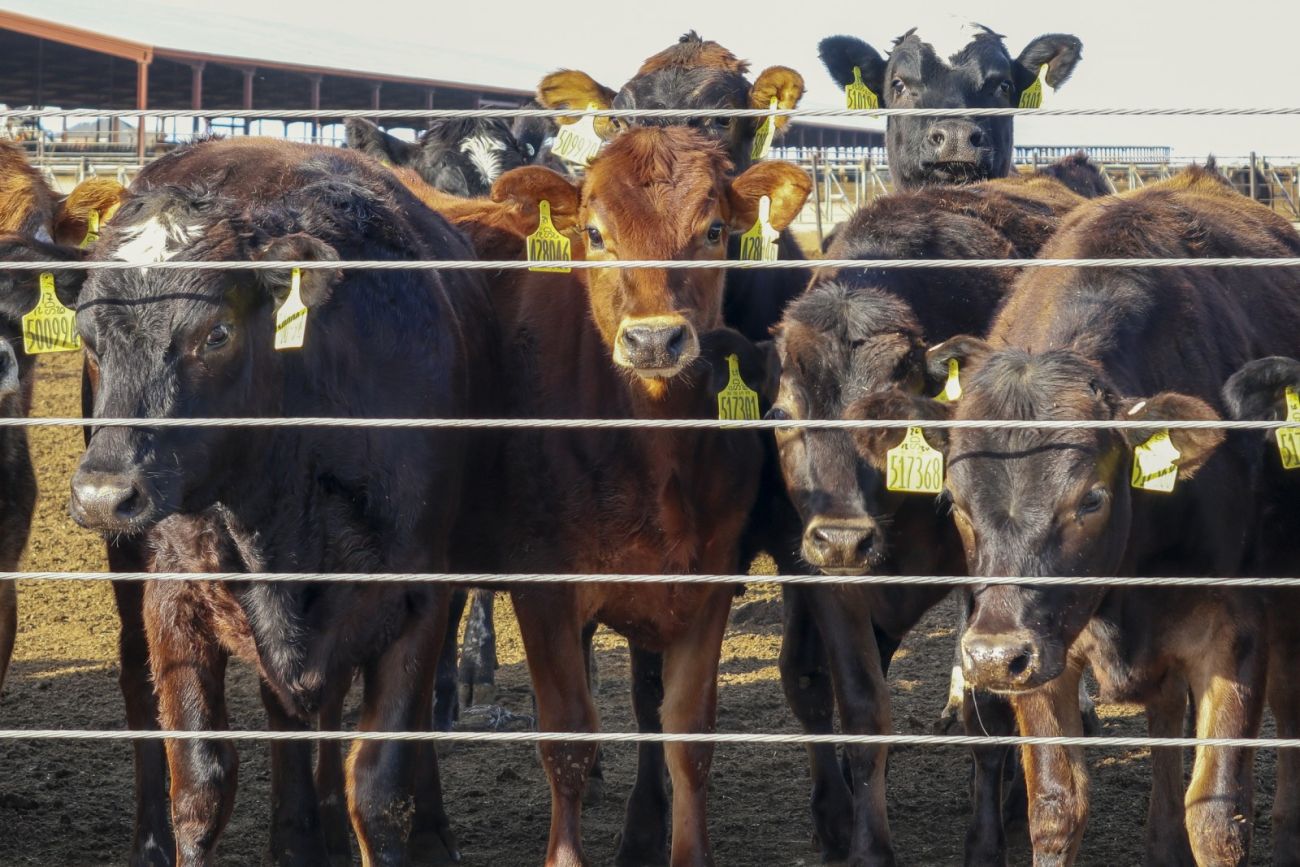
1056, 777
297, 837
956, 705
1284, 700
478, 657
986, 714
432, 839
189, 672
1167, 841
382, 775
645, 828
446, 706
596, 777
8, 625
806, 680
330, 785
691, 705
553, 643
1229, 691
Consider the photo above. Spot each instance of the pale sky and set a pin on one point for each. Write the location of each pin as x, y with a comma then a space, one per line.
1136, 54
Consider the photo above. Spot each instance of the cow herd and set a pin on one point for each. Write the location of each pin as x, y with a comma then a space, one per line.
1144, 345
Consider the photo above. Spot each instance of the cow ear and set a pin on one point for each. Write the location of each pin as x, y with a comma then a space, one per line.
780, 83
364, 136
1258, 390
20, 290
841, 54
569, 88
1194, 446
316, 286
1060, 51
785, 183
523, 188
967, 350
72, 222
874, 443
718, 344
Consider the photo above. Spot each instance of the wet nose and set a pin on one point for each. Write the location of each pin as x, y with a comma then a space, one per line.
1005, 661
654, 347
839, 544
107, 501
955, 141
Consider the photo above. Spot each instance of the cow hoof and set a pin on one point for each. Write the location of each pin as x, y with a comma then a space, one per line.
434, 848
472, 694
1092, 723
595, 792
647, 848
948, 720
153, 854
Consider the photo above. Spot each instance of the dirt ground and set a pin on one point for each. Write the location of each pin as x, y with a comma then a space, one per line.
70, 804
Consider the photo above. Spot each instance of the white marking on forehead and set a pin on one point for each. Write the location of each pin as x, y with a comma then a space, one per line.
948, 34
154, 240
43, 235
484, 152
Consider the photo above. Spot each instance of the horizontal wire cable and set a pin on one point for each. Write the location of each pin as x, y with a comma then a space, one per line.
667, 113
508, 578
642, 264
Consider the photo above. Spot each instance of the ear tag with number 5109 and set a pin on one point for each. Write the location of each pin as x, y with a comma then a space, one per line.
914, 466
1288, 438
766, 132
291, 318
49, 326
1032, 96
857, 96
1153, 464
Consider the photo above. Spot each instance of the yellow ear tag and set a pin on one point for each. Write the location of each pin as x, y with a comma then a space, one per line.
49, 326
766, 132
291, 318
548, 243
1032, 96
1153, 464
737, 401
914, 466
858, 96
1288, 438
578, 142
92, 229
759, 243
951, 388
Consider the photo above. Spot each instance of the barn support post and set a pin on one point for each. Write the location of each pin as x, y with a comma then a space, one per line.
315, 106
200, 125
1252, 176
817, 200
428, 106
142, 103
248, 97
374, 94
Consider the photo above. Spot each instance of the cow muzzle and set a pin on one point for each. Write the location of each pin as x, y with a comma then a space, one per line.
955, 145
1008, 661
656, 346
109, 501
842, 546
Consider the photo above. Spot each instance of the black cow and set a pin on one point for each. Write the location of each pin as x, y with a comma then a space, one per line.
938, 68
173, 344
462, 156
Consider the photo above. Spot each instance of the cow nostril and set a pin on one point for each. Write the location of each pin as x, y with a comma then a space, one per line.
866, 542
1019, 664
632, 337
130, 505
676, 343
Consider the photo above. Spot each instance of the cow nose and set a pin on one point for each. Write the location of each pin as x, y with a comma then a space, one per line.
107, 501
1006, 661
955, 141
840, 544
655, 347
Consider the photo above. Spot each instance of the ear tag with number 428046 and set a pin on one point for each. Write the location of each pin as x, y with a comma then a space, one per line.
548, 243
914, 466
857, 96
737, 401
92, 228
49, 326
291, 318
1288, 438
1032, 96
951, 388
1153, 464
578, 142
759, 243
766, 132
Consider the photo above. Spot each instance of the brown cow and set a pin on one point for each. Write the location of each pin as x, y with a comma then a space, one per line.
627, 344
1146, 345
842, 349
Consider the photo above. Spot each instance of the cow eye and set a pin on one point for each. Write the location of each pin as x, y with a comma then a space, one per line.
1005, 86
595, 240
898, 86
1092, 501
217, 336
776, 413
715, 232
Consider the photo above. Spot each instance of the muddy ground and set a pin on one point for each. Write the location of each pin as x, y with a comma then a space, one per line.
70, 803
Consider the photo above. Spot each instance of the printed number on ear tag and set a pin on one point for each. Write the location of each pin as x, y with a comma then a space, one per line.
759, 243
92, 229
291, 318
951, 388
763, 138
1032, 96
858, 96
548, 243
1288, 438
914, 466
49, 326
578, 142
1153, 464
737, 401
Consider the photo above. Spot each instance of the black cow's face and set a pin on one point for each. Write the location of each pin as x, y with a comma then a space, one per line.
179, 344
461, 157
970, 68
1031, 503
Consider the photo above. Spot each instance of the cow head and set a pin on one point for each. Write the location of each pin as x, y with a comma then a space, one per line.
656, 193
970, 68
177, 344
695, 74
459, 156
1030, 503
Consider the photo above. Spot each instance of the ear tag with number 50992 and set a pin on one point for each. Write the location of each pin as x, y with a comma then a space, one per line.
1288, 438
914, 466
578, 142
49, 326
291, 318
